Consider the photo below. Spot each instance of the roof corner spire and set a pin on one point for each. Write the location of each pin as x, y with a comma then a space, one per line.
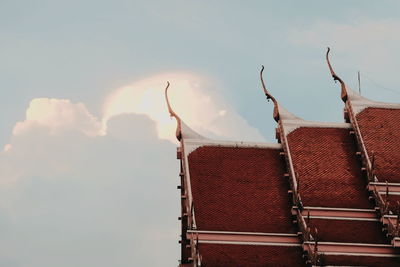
269, 96
182, 130
173, 114
344, 94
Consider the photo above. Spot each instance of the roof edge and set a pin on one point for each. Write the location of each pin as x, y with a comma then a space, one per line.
359, 103
292, 125
193, 144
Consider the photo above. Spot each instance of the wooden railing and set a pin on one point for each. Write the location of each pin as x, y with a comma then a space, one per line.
393, 228
384, 209
312, 251
187, 211
382, 203
195, 258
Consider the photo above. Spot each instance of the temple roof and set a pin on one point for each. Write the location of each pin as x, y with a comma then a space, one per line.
377, 128
380, 130
315, 198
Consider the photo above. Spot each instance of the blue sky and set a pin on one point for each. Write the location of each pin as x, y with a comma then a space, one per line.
83, 51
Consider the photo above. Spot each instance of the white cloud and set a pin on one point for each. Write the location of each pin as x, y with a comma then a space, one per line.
52, 124
192, 97
89, 200
84, 196
58, 115
7, 147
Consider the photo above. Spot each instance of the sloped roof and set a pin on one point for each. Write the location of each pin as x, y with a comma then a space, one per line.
328, 171
250, 255
307, 201
380, 130
349, 231
377, 127
240, 189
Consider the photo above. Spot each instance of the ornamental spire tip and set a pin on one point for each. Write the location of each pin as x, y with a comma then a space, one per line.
336, 77
173, 114
269, 95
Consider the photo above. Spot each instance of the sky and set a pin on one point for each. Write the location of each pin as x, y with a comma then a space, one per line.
88, 169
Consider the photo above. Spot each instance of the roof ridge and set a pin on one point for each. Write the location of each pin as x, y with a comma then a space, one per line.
192, 144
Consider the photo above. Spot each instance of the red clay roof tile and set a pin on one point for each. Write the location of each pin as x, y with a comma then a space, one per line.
380, 131
349, 231
249, 255
240, 189
329, 172
360, 261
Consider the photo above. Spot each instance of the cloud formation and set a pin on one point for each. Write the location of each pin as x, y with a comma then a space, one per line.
192, 97
89, 200
58, 115
87, 191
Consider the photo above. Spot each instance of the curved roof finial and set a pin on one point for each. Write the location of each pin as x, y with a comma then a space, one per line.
335, 77
269, 96
173, 114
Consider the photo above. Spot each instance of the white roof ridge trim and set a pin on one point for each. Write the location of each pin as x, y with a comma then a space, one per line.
277, 244
292, 122
291, 125
335, 209
359, 103
188, 133
351, 244
284, 114
192, 144
242, 233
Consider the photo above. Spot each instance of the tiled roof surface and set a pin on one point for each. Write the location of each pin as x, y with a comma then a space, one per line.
329, 172
361, 261
240, 189
249, 255
380, 130
348, 231
243, 189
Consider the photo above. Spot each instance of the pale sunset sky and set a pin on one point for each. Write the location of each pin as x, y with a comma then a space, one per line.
88, 168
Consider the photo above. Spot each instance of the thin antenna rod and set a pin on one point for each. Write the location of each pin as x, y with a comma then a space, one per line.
359, 83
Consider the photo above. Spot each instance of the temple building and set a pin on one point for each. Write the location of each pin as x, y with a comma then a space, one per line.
326, 194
